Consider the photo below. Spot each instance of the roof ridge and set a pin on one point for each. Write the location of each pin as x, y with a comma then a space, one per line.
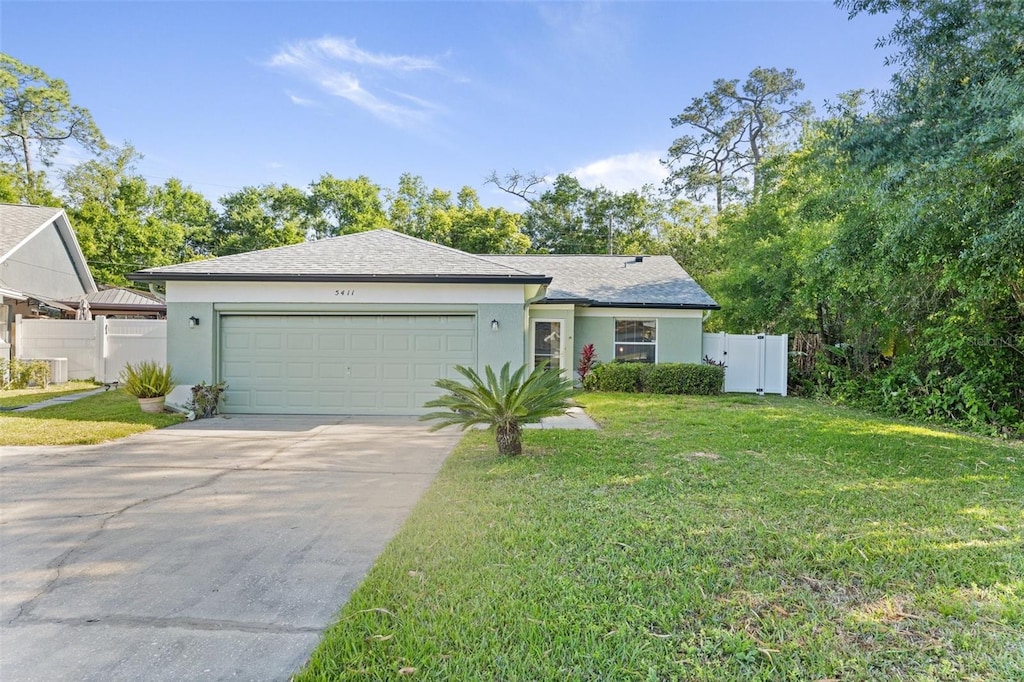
453, 249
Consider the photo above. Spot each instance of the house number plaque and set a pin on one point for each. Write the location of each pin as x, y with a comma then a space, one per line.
344, 292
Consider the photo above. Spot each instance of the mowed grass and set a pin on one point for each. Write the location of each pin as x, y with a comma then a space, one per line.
28, 396
93, 419
728, 538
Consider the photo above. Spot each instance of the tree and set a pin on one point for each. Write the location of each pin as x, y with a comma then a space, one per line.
946, 148
255, 218
339, 207
734, 129
38, 119
124, 224
571, 218
504, 402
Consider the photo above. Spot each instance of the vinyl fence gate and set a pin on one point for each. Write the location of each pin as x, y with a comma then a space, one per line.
754, 363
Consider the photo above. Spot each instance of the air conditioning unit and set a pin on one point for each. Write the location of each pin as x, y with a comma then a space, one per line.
58, 369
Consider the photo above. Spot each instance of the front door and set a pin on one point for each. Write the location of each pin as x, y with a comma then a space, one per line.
547, 344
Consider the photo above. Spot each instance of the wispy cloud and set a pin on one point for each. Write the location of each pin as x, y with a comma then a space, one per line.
339, 67
592, 30
623, 172
301, 101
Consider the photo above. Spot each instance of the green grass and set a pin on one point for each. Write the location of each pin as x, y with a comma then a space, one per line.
727, 538
94, 419
27, 396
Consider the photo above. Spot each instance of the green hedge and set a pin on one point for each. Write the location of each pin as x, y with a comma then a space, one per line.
671, 378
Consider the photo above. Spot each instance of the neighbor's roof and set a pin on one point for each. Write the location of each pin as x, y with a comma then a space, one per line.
373, 256
117, 298
18, 223
615, 281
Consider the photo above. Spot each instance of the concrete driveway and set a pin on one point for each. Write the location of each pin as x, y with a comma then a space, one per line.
214, 550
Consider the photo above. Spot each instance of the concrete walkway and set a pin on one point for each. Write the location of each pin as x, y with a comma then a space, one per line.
574, 419
59, 400
216, 549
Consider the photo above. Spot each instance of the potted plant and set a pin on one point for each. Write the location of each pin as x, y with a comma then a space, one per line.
148, 381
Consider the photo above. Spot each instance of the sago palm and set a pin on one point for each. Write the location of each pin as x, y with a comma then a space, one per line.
504, 402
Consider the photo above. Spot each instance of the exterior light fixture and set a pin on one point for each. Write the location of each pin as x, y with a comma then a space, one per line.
494, 325
193, 322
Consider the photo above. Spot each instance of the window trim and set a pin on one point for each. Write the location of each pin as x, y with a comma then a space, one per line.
616, 342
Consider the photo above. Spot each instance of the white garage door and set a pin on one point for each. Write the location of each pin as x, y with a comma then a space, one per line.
340, 364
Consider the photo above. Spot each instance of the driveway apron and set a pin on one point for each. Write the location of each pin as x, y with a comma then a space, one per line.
219, 549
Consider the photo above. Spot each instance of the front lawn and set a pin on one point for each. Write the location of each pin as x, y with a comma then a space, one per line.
93, 419
27, 396
721, 538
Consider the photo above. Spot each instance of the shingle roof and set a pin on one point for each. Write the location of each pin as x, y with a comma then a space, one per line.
654, 281
18, 222
376, 255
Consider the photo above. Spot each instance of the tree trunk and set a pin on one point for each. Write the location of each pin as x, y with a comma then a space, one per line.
510, 439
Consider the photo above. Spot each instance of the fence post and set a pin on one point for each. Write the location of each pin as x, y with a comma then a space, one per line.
19, 331
100, 345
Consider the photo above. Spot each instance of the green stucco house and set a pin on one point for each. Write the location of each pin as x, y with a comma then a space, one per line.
365, 323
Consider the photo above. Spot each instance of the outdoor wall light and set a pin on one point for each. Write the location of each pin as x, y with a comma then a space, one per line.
193, 322
494, 325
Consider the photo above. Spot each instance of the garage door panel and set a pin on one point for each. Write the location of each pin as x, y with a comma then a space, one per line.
267, 341
364, 343
395, 343
341, 364
301, 342
429, 343
458, 344
267, 370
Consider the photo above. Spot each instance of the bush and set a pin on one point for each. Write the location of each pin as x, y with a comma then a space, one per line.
626, 377
18, 374
683, 379
147, 379
206, 399
670, 378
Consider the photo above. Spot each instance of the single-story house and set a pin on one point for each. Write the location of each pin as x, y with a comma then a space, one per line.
365, 323
41, 265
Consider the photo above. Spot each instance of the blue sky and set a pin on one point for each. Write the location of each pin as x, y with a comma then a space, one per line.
228, 94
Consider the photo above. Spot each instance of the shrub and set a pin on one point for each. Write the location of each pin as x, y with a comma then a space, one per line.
588, 360
147, 379
670, 378
626, 377
206, 399
18, 374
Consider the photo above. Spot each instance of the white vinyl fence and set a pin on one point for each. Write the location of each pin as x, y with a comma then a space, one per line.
97, 348
754, 363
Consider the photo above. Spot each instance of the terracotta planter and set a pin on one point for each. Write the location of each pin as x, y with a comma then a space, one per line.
152, 404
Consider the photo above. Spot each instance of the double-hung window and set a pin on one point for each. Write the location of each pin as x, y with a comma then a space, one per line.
636, 340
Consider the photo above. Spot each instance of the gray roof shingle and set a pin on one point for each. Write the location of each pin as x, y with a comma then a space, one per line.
654, 281
376, 255
18, 222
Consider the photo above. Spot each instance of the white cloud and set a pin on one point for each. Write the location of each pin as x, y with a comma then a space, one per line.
338, 67
623, 172
301, 101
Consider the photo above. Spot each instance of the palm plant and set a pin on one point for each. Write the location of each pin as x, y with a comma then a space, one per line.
504, 402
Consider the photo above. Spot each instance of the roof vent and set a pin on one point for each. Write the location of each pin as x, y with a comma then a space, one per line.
638, 259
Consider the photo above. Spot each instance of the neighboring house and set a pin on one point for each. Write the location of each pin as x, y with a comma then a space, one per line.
119, 302
365, 323
41, 265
